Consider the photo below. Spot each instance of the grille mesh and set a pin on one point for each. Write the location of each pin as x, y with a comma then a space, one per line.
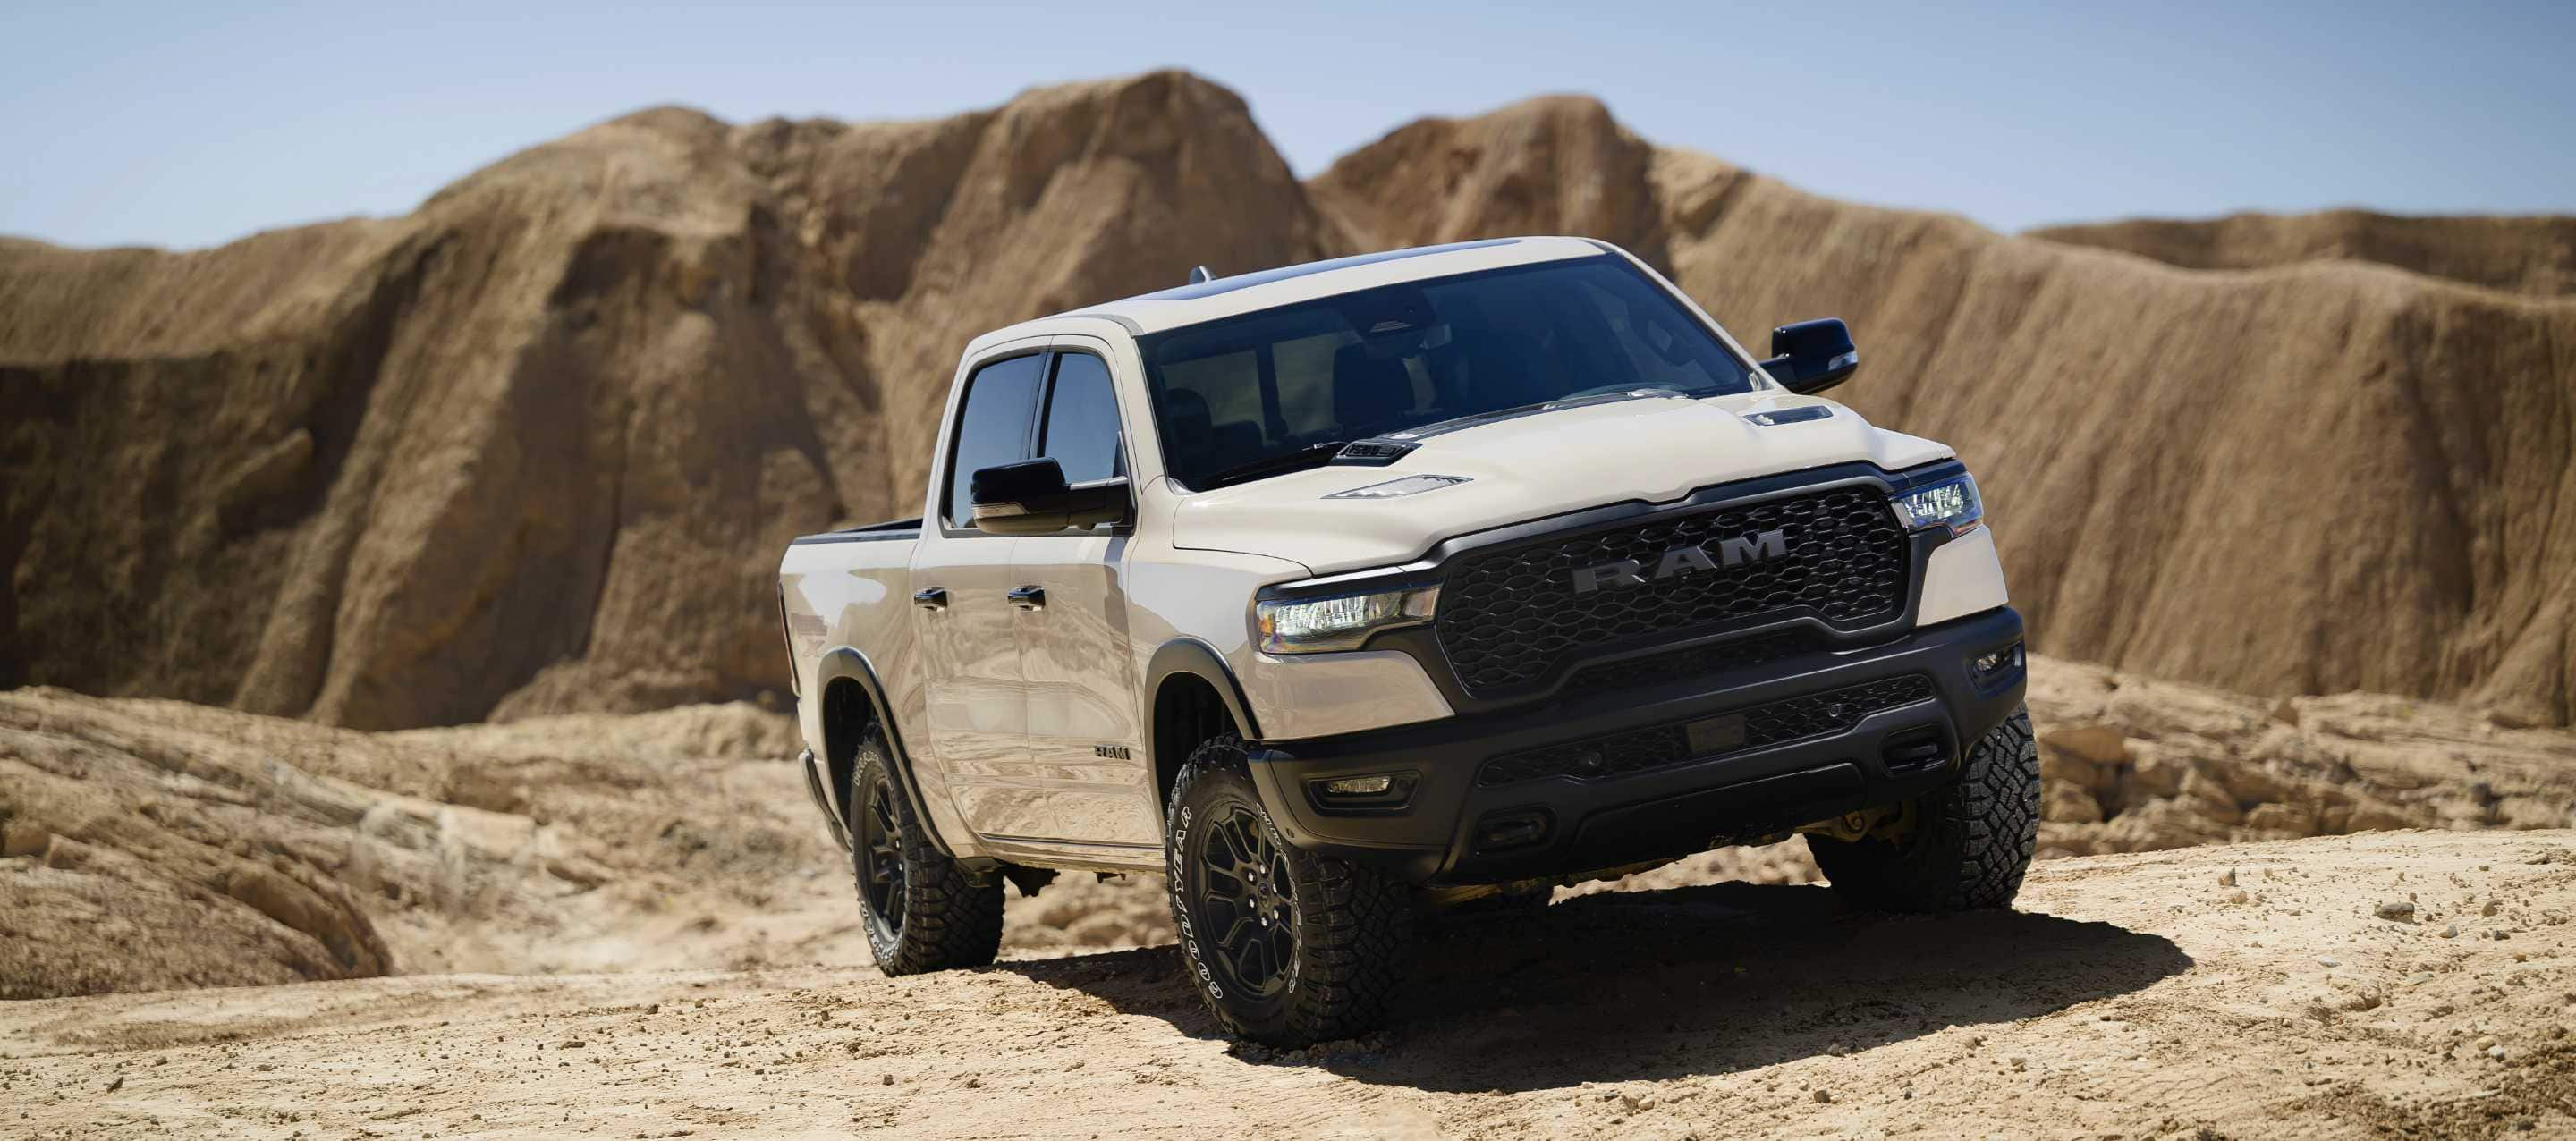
1732, 654
1508, 618
1638, 750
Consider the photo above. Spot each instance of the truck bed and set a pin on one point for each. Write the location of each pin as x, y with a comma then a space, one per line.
847, 588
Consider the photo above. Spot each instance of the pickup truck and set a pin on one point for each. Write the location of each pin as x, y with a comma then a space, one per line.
1402, 583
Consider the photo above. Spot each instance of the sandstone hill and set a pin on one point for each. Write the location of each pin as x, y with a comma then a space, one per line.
533, 448
2307, 477
2529, 255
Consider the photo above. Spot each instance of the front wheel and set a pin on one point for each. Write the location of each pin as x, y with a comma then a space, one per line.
1287, 948
921, 911
1965, 845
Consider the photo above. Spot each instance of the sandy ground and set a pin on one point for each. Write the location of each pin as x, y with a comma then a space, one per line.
2242, 991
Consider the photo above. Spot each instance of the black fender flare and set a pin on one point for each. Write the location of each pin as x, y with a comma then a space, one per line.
1188, 655
847, 662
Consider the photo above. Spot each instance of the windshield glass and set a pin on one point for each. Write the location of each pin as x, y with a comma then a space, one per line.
1231, 394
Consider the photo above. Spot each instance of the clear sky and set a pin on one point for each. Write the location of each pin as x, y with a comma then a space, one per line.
190, 124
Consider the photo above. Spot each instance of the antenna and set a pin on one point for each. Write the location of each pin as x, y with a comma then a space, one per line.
1199, 273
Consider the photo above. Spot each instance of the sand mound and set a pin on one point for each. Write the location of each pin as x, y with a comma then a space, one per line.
2529, 255
535, 447
155, 844
2312, 478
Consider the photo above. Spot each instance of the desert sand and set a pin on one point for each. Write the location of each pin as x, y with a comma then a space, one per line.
2211, 992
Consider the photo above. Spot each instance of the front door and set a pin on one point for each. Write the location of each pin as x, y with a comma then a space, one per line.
1085, 750
967, 627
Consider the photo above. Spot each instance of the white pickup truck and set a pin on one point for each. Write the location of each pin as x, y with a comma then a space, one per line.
1428, 578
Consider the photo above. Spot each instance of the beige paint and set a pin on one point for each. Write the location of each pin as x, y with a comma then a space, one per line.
1007, 711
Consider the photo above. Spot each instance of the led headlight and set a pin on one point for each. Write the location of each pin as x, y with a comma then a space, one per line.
1951, 503
1312, 625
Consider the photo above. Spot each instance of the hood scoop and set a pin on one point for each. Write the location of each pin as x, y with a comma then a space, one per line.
1777, 417
1373, 452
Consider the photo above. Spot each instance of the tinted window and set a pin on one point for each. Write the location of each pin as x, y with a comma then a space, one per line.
1289, 379
1001, 398
1081, 430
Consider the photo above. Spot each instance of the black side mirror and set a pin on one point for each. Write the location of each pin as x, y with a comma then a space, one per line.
1812, 356
1031, 498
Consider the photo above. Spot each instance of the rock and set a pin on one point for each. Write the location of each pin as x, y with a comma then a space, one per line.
1820, 1096
2400, 910
2227, 878
21, 838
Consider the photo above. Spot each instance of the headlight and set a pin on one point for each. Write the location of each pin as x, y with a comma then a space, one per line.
1951, 503
1312, 625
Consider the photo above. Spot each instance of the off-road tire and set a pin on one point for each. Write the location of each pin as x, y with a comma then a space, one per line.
1348, 927
1968, 844
933, 916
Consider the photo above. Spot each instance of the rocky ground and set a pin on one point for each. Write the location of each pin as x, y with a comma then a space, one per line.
2395, 984
633, 925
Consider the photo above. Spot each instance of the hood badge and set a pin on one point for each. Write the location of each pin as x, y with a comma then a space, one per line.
1732, 552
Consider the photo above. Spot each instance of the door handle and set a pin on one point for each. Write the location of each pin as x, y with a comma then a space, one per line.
933, 598
1028, 597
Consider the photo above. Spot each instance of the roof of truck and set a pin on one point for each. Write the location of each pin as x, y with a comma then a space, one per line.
1270, 288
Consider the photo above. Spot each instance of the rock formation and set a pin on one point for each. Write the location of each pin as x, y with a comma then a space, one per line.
535, 447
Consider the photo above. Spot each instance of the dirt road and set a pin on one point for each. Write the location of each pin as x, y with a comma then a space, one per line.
2133, 996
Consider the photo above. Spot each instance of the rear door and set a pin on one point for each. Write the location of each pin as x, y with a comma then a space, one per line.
1086, 752
968, 628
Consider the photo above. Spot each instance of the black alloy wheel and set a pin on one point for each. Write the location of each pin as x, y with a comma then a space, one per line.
880, 854
1247, 903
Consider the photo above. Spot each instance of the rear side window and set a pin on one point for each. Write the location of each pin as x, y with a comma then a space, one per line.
1001, 401
1081, 431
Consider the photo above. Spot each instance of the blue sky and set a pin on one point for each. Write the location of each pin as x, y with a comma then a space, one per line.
191, 124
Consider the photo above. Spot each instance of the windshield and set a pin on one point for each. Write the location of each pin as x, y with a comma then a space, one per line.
1234, 394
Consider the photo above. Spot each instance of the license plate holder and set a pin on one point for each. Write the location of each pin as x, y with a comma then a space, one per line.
1710, 736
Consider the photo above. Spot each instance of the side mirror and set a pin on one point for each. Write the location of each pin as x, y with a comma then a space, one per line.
1031, 498
1812, 356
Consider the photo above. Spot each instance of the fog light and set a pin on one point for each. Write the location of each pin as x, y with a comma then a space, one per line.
1990, 664
1375, 792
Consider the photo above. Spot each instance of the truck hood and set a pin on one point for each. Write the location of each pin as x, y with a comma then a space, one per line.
1652, 449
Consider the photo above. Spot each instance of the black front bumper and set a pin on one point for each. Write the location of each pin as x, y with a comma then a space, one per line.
1454, 828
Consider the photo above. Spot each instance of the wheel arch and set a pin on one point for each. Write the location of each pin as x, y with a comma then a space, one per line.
1191, 688
853, 698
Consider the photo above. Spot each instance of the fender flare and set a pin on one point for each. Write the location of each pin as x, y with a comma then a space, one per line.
1188, 655
847, 662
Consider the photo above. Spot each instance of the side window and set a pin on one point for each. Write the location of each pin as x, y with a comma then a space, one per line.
1081, 430
1001, 399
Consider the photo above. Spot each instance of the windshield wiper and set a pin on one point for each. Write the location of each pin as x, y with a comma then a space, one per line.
1313, 455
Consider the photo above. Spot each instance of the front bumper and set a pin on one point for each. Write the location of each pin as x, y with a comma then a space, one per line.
1455, 829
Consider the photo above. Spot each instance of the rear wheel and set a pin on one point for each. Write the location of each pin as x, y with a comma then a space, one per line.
1966, 845
1286, 947
921, 911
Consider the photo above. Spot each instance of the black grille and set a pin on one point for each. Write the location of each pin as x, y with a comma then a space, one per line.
1638, 750
1508, 618
1694, 661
